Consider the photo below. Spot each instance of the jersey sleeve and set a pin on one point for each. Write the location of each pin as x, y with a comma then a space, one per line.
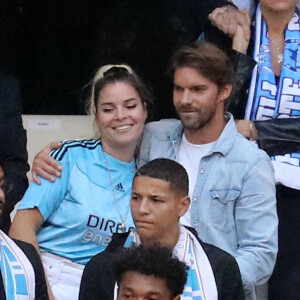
48, 196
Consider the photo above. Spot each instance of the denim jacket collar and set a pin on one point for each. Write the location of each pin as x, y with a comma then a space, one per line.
223, 144
225, 141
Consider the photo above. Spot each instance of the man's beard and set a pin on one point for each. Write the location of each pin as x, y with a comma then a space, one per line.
197, 118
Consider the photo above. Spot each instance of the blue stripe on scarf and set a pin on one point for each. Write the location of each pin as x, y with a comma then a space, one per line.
9, 277
263, 82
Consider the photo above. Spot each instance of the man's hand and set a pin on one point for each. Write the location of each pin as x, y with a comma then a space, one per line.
247, 129
227, 18
46, 166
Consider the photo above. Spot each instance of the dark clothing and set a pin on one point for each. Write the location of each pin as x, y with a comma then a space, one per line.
276, 137
40, 282
285, 281
279, 136
13, 153
98, 279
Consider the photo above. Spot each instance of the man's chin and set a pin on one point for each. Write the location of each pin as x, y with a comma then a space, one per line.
191, 124
144, 233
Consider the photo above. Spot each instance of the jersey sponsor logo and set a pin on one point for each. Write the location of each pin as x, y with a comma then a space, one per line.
102, 224
100, 230
119, 187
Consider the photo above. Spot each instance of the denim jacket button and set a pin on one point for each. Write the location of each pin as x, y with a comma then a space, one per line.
201, 171
195, 199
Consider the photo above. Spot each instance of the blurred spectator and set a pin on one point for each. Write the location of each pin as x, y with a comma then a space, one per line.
267, 97
13, 153
21, 271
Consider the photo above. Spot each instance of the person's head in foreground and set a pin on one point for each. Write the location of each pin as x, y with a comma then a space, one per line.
146, 273
159, 199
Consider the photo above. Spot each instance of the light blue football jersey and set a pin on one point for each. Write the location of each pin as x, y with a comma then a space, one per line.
79, 210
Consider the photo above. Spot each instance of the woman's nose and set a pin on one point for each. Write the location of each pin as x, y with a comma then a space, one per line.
120, 114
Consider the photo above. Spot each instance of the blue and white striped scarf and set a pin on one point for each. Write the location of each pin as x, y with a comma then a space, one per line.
270, 101
16, 270
201, 284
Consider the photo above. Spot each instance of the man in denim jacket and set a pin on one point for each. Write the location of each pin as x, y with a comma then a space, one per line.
231, 180
232, 185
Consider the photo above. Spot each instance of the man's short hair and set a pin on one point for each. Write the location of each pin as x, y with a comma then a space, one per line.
152, 261
206, 58
167, 170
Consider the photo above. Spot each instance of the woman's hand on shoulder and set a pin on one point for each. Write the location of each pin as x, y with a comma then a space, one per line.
46, 166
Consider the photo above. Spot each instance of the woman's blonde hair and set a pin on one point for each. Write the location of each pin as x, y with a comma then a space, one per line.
91, 109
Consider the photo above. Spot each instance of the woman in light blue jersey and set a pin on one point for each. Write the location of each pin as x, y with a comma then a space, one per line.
72, 219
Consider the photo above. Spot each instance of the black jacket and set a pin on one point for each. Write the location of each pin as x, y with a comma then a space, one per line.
13, 153
98, 279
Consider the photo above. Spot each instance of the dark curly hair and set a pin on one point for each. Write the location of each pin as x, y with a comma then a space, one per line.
152, 261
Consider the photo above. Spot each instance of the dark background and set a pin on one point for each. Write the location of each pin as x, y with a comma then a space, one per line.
55, 46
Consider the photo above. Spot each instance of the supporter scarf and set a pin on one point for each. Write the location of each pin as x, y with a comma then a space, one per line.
269, 101
201, 284
16, 270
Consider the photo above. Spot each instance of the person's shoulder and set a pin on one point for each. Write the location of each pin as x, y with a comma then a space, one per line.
25, 247
163, 124
115, 245
117, 241
214, 254
217, 255
30, 252
164, 127
35, 260
248, 151
76, 148
221, 262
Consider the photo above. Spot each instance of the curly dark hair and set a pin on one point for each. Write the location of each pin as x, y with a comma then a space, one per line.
152, 261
